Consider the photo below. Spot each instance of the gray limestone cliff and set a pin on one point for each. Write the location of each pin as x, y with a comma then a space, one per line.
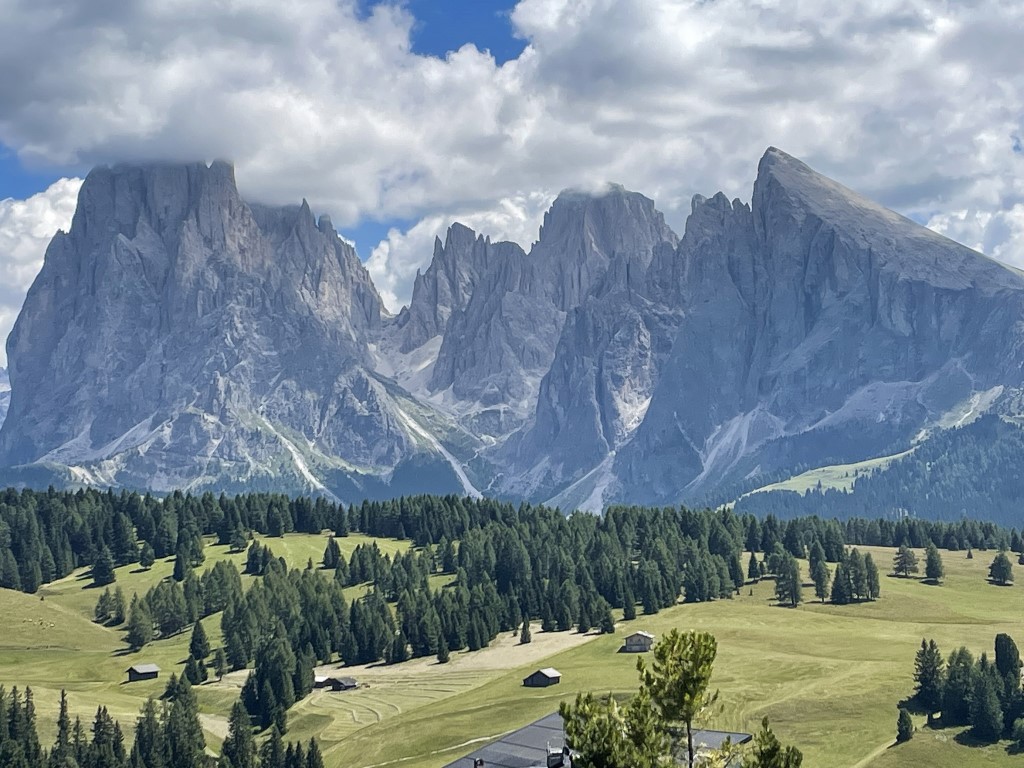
178, 336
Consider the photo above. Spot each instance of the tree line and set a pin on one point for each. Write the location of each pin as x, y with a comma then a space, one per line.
167, 734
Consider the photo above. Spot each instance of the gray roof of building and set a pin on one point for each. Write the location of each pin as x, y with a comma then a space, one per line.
528, 747
145, 667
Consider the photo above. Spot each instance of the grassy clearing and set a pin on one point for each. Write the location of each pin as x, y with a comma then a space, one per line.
829, 677
838, 476
50, 642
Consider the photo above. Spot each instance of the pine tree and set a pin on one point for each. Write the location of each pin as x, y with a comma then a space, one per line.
524, 635
195, 671
140, 626
958, 691
272, 751
146, 555
821, 578
239, 746
904, 726
753, 569
767, 752
1001, 571
199, 646
220, 663
313, 757
986, 712
904, 562
628, 605
933, 570
871, 574
928, 676
443, 653
184, 735
103, 569
788, 587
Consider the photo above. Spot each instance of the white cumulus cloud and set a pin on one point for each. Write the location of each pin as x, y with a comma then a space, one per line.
26, 227
912, 102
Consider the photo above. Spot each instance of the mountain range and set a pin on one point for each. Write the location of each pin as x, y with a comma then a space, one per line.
178, 336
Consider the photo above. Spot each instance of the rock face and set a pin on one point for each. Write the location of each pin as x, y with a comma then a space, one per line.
5, 394
180, 337
177, 336
820, 327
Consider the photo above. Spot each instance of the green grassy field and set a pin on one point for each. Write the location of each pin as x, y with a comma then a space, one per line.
840, 477
828, 677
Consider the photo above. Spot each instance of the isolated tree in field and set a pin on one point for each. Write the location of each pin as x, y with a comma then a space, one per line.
904, 726
103, 569
1001, 571
933, 570
1018, 733
332, 554
767, 752
146, 555
753, 569
679, 678
904, 562
788, 587
821, 578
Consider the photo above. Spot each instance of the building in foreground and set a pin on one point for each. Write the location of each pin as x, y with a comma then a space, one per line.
542, 745
543, 678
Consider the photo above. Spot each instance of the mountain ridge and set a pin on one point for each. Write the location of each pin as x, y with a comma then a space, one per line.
177, 335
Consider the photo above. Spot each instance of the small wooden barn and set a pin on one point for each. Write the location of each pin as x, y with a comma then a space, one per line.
638, 642
543, 678
333, 683
138, 672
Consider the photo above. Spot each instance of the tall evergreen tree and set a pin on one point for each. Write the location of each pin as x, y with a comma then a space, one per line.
928, 677
239, 747
933, 570
199, 646
1001, 570
904, 562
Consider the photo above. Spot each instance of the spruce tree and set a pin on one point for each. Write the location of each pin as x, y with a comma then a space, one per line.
986, 712
933, 570
904, 562
871, 576
199, 646
628, 605
313, 757
1001, 571
146, 555
753, 569
140, 626
821, 578
904, 726
103, 569
239, 746
524, 635
928, 677
220, 663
